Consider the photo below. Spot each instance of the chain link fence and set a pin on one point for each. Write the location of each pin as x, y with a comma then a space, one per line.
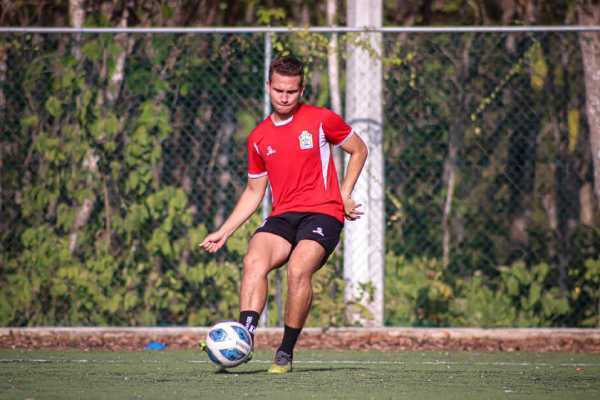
120, 151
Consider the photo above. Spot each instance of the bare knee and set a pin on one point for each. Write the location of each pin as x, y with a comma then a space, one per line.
255, 266
298, 277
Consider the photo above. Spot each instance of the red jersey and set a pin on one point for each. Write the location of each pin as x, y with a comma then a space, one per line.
296, 155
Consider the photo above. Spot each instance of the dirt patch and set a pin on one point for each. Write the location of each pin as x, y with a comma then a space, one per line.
383, 339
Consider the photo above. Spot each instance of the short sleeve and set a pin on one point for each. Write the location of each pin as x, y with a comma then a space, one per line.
256, 164
335, 128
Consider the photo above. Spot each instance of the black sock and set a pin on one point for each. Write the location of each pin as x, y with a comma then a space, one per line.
290, 336
250, 320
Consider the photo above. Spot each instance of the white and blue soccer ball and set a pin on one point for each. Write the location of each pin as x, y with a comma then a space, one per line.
228, 344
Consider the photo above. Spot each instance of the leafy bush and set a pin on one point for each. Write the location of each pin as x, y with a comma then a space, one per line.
419, 293
520, 296
108, 170
416, 292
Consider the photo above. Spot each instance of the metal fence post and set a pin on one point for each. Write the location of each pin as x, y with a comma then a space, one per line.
266, 203
363, 241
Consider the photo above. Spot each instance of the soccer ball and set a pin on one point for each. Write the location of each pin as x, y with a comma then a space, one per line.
228, 344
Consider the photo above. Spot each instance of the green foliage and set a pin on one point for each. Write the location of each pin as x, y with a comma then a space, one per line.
520, 297
110, 186
420, 292
585, 292
270, 16
102, 238
415, 291
482, 306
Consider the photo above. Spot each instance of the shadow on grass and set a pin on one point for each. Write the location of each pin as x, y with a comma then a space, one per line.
329, 369
295, 371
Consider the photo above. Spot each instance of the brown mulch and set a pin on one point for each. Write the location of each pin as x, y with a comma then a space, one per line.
383, 339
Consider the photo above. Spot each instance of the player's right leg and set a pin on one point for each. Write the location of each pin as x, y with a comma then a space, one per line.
266, 251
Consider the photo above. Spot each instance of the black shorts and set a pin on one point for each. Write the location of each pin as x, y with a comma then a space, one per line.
297, 226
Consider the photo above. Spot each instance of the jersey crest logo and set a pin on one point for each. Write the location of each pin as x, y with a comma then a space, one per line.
271, 151
306, 140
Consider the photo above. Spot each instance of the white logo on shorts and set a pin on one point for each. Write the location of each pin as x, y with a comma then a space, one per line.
319, 231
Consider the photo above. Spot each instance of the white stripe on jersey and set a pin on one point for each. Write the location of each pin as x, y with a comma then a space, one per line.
254, 176
325, 150
284, 122
346, 138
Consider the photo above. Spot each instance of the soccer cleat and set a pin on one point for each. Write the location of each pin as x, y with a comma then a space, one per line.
249, 356
282, 363
202, 345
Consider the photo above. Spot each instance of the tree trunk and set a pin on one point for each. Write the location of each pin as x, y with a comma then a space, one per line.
450, 177
223, 166
332, 60
336, 106
562, 202
116, 79
85, 210
305, 15
586, 204
589, 14
334, 79
521, 174
3, 72
108, 100
76, 19
455, 140
521, 162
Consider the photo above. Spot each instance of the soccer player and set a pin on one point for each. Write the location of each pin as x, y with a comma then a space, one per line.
292, 150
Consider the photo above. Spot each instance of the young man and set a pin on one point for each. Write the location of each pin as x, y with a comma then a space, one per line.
291, 149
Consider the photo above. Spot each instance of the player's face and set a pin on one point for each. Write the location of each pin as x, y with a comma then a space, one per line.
285, 92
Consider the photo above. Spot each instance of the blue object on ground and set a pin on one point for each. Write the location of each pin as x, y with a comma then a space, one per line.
152, 345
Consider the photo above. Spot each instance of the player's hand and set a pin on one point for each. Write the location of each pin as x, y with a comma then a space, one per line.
352, 210
213, 242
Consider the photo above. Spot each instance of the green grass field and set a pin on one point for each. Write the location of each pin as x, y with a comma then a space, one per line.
317, 375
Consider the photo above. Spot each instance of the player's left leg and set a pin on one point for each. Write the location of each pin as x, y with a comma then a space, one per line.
306, 258
316, 238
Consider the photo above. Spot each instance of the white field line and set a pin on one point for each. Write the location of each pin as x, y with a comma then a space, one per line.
320, 362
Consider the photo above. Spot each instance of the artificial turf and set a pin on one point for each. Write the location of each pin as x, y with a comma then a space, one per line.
317, 375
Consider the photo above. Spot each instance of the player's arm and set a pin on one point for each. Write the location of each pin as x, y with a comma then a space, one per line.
245, 207
358, 155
